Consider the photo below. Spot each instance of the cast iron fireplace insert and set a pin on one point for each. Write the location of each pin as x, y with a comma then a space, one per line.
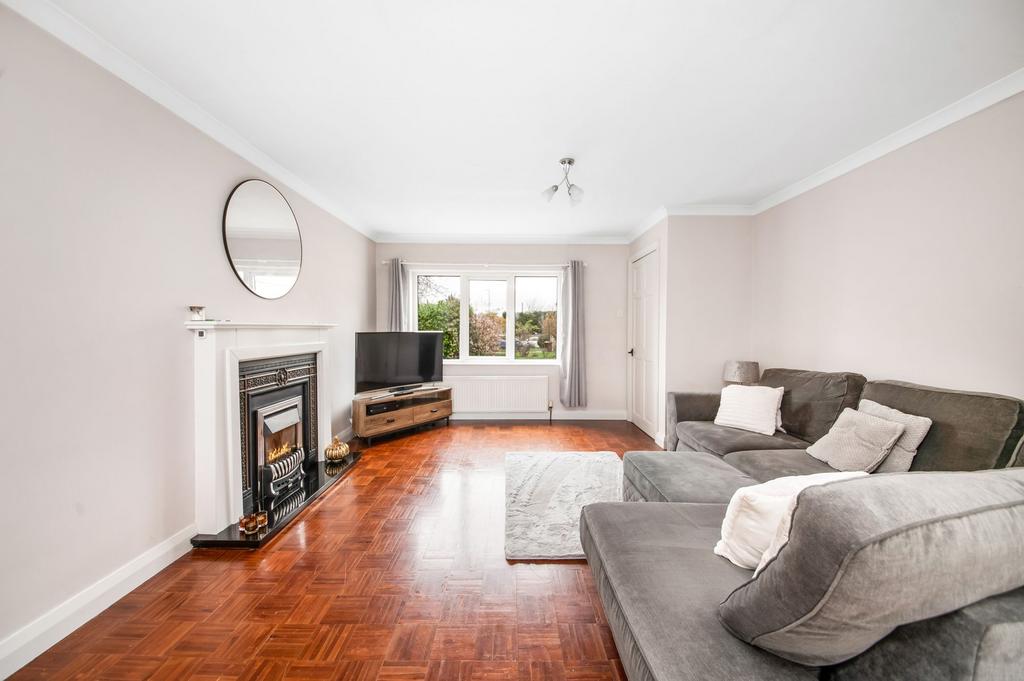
281, 473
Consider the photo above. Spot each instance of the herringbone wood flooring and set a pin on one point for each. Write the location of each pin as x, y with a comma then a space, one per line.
397, 573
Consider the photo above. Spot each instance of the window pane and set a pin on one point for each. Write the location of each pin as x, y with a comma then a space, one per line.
487, 318
536, 317
437, 307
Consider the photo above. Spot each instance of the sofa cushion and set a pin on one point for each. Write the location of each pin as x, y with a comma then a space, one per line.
696, 477
661, 584
705, 436
756, 521
970, 431
905, 449
750, 407
873, 553
857, 441
982, 642
768, 464
813, 399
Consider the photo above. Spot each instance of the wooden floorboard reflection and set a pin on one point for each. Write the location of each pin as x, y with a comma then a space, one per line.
397, 573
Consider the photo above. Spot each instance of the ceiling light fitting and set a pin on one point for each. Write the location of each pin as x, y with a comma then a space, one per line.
575, 191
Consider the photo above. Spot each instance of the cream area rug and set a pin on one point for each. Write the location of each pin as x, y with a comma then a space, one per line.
544, 493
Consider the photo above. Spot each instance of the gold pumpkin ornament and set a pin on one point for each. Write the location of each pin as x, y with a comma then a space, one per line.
336, 451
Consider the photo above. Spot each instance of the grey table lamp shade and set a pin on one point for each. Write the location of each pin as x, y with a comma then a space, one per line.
736, 371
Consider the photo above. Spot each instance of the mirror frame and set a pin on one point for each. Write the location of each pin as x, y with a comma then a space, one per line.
227, 249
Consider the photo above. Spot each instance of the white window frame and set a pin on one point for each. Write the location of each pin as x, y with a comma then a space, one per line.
506, 275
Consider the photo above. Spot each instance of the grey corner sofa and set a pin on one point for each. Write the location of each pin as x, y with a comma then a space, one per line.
661, 584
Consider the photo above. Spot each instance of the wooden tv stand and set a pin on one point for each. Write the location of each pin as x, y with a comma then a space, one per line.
399, 411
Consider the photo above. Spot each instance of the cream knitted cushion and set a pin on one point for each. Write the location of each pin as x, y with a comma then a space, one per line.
857, 441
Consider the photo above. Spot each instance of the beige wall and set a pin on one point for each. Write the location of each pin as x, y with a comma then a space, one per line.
708, 285
906, 268
911, 267
110, 208
605, 308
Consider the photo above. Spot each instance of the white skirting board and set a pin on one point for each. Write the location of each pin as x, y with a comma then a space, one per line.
27, 643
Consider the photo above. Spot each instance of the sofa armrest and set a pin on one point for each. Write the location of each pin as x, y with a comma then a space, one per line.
688, 407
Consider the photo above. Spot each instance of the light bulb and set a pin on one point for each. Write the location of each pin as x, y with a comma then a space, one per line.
575, 193
549, 193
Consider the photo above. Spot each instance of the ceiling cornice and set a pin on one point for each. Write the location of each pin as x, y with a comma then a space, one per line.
501, 239
1004, 88
711, 209
71, 32
660, 213
991, 94
699, 209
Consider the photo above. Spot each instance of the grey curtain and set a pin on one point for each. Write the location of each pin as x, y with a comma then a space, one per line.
573, 387
398, 313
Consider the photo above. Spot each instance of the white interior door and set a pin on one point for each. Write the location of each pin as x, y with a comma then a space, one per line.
643, 340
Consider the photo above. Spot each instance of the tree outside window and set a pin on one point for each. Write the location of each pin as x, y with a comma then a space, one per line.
437, 309
487, 302
536, 317
472, 312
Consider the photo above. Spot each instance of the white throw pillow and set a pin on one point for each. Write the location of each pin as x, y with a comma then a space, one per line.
903, 452
750, 407
754, 514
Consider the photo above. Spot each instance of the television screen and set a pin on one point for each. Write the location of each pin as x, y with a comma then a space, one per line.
397, 358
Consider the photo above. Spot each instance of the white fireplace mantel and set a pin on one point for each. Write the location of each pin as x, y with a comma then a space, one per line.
228, 324
218, 348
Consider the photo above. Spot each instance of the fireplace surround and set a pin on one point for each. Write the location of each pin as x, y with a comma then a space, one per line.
240, 368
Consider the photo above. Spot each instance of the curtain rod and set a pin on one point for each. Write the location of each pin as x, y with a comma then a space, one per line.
478, 264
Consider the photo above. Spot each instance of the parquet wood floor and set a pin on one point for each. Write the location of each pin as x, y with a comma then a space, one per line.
398, 573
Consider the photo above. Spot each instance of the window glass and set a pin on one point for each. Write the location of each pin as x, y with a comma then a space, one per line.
270, 284
536, 317
487, 303
437, 309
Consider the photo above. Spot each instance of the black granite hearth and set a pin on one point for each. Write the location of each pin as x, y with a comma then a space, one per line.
320, 476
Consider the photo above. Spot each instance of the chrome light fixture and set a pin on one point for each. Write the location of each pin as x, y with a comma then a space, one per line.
574, 191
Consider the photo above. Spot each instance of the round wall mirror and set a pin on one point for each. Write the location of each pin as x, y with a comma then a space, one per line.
261, 237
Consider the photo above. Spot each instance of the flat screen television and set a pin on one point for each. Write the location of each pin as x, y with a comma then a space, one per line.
393, 359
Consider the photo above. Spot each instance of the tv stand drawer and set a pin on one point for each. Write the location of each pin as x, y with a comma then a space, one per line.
389, 420
430, 412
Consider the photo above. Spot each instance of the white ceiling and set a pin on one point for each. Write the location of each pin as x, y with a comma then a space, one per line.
445, 119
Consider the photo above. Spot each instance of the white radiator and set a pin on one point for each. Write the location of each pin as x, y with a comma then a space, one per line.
499, 394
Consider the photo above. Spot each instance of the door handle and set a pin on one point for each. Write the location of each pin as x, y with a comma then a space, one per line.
390, 421
631, 352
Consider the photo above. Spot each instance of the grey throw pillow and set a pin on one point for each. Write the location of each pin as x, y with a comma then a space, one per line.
857, 441
903, 452
870, 554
